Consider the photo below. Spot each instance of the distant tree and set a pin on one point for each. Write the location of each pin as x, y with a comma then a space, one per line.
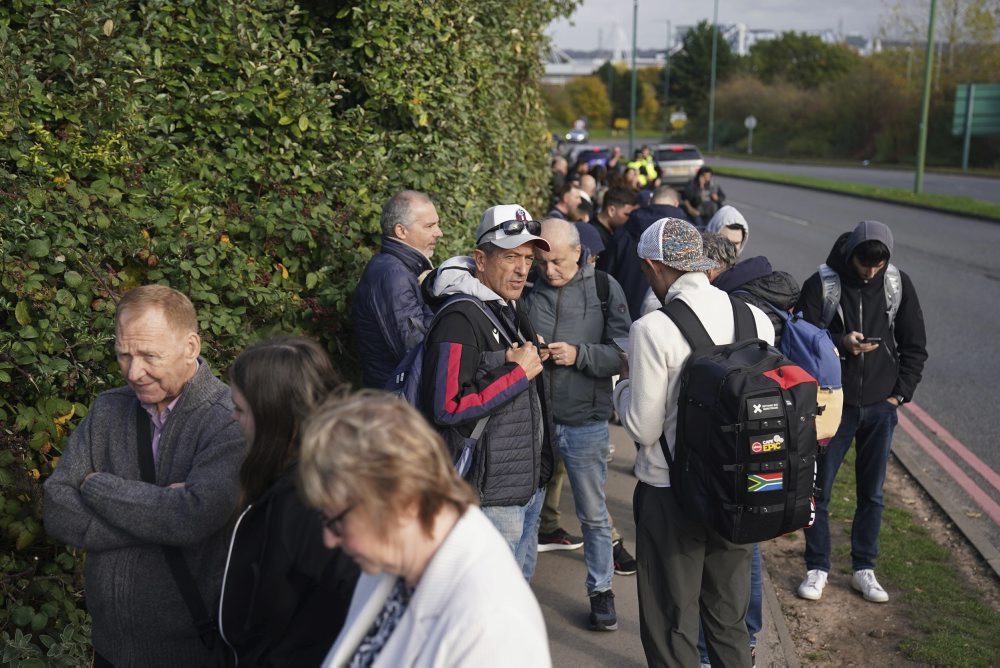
648, 113
800, 59
616, 79
690, 70
966, 30
587, 97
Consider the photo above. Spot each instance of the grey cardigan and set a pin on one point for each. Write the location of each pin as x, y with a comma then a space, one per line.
139, 617
581, 394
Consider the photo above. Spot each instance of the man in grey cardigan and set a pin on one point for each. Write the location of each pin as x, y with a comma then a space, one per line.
565, 308
95, 499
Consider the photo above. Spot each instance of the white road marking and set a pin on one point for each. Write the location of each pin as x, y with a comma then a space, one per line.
780, 216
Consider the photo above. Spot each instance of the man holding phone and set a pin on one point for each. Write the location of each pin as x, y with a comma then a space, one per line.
872, 311
566, 308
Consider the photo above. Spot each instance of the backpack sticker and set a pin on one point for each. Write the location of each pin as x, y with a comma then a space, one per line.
766, 444
765, 482
765, 407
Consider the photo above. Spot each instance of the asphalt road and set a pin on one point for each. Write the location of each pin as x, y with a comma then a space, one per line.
976, 187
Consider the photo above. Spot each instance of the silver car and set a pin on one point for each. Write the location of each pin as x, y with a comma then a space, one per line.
677, 163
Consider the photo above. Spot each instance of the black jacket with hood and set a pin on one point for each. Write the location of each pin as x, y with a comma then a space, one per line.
466, 376
755, 282
895, 367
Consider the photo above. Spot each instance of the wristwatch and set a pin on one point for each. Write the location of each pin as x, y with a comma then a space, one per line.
900, 398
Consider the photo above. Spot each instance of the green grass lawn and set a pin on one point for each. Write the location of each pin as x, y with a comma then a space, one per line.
957, 627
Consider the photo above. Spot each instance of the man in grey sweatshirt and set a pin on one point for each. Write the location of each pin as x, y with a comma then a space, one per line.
96, 500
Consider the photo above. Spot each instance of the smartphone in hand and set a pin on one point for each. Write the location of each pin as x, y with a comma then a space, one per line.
872, 339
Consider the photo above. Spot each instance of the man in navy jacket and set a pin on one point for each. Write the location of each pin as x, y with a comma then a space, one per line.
390, 316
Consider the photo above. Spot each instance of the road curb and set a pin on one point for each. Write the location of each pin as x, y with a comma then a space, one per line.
904, 450
721, 171
784, 644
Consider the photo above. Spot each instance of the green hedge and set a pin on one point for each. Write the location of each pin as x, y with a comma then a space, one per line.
239, 152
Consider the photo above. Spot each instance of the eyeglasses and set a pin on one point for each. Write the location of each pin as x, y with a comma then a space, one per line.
512, 227
335, 525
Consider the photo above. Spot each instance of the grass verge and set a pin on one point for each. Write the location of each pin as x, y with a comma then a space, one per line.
946, 203
956, 627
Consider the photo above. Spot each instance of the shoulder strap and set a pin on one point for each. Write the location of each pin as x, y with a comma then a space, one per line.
830, 281
743, 321
784, 315
893, 291
179, 568
688, 323
482, 307
603, 286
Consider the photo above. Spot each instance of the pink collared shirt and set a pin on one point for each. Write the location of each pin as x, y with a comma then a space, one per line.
159, 419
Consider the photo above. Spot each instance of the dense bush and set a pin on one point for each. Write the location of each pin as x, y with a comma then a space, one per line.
239, 152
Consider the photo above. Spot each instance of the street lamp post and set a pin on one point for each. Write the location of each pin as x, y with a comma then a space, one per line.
666, 78
631, 110
711, 88
918, 181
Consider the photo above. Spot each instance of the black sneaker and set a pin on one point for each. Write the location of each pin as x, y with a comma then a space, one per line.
602, 611
624, 562
558, 540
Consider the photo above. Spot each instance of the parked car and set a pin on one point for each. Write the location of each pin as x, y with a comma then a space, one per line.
592, 155
677, 162
577, 135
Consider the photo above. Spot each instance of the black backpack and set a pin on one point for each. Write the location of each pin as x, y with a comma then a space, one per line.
745, 452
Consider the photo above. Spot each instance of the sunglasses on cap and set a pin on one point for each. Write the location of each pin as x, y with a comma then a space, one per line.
512, 227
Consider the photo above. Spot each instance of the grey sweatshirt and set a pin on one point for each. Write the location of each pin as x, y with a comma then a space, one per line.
139, 617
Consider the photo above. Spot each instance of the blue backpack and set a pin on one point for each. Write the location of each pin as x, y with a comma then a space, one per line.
810, 347
405, 379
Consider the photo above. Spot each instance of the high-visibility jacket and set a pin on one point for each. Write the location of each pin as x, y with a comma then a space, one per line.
646, 170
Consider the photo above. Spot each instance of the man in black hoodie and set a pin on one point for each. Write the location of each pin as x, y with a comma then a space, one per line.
882, 361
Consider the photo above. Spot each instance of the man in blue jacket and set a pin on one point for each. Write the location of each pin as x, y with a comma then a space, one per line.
624, 263
390, 316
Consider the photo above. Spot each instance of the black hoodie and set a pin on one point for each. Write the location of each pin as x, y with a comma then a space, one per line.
895, 367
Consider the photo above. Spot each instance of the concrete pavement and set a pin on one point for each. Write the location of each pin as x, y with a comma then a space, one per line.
559, 586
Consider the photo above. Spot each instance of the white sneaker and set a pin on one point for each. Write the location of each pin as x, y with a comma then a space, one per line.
812, 587
864, 581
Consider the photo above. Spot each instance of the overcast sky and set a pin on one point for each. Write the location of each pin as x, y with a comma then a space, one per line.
594, 17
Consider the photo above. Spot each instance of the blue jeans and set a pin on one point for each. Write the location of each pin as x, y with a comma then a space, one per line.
519, 527
871, 428
755, 611
584, 450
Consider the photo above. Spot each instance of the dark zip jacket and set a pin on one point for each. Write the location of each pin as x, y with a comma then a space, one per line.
389, 313
895, 367
466, 376
285, 595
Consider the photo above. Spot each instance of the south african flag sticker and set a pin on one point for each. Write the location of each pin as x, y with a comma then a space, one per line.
765, 482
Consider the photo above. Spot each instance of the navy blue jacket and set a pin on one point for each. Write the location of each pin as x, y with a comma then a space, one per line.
390, 316
623, 258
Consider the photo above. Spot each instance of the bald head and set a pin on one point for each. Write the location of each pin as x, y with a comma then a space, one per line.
560, 232
665, 195
558, 265
588, 184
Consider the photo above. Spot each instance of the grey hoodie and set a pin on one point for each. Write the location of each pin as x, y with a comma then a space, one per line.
725, 217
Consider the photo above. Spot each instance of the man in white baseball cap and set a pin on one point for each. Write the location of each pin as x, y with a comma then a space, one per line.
482, 383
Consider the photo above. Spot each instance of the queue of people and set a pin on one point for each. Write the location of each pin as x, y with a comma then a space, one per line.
281, 519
